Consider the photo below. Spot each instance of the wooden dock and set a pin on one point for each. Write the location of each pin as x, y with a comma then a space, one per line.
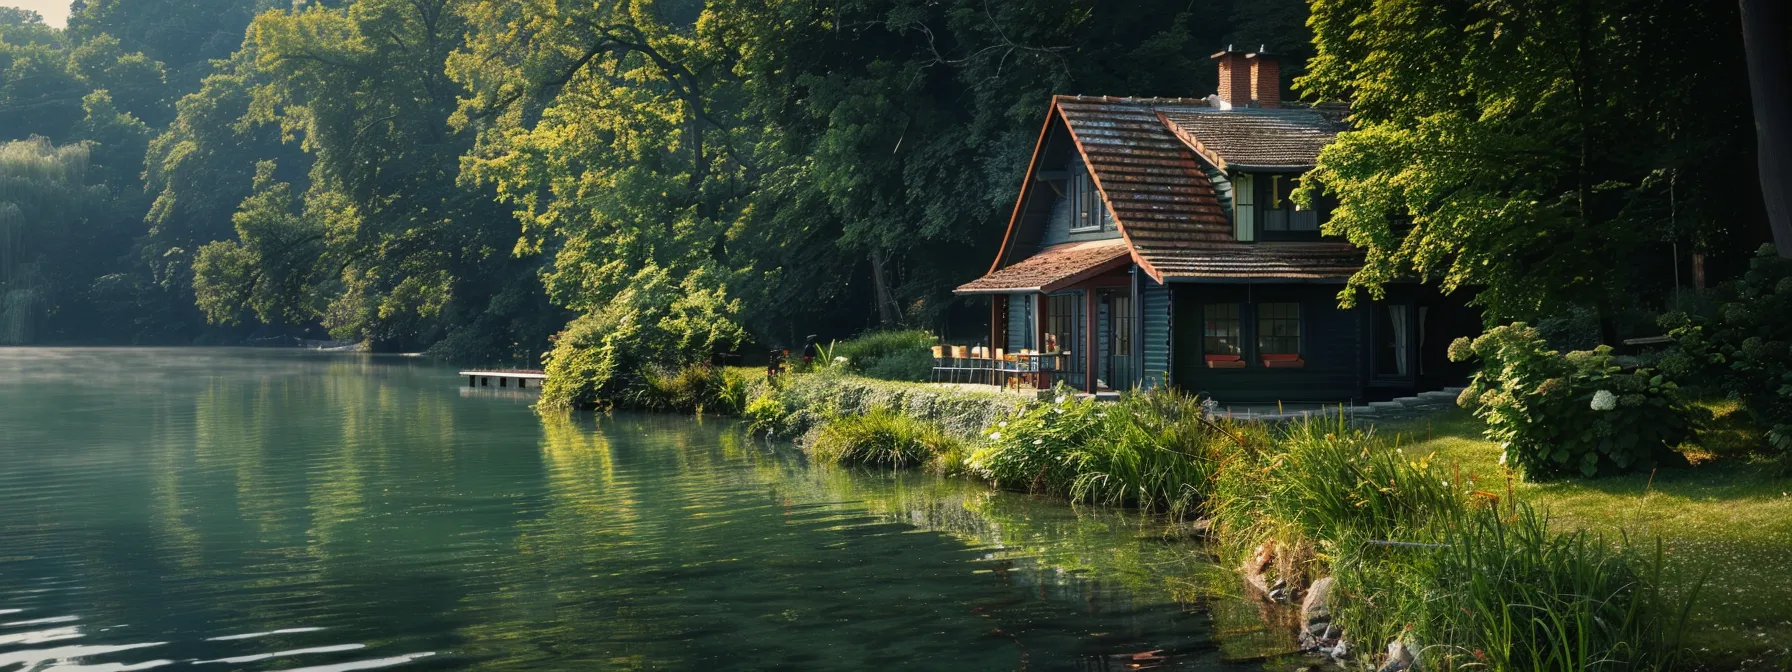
521, 377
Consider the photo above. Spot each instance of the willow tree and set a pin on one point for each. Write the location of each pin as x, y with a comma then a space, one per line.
1536, 151
42, 202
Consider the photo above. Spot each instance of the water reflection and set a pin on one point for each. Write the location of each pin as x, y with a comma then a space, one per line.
263, 510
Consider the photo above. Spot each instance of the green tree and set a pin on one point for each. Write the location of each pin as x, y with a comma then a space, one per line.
44, 205
1539, 152
393, 250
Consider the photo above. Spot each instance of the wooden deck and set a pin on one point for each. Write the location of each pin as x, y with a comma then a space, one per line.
505, 377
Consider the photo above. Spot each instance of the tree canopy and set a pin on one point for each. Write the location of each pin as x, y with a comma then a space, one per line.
1539, 153
472, 176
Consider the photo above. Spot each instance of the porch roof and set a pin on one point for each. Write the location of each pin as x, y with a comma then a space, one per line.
1053, 268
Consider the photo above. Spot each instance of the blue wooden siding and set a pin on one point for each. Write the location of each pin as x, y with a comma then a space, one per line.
1020, 322
1154, 332
1057, 224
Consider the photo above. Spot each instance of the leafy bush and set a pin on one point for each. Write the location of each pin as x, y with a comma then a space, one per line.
889, 355
694, 388
1745, 348
653, 325
1151, 450
1577, 413
767, 414
909, 365
881, 438
1035, 450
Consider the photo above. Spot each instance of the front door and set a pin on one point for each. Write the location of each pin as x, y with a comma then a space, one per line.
1116, 353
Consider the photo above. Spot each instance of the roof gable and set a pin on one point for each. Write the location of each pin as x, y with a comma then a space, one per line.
1151, 180
1145, 156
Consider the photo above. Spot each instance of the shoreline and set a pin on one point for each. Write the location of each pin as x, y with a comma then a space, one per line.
1289, 507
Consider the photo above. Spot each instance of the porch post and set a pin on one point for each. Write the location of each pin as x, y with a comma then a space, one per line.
998, 309
1089, 340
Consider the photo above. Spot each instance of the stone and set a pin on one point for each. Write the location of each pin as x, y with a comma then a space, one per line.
1279, 592
1409, 401
1399, 659
1317, 607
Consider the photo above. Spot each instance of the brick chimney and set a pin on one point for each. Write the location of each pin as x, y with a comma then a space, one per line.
1266, 79
1235, 77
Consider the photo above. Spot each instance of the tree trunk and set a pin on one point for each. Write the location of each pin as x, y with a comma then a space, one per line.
1608, 323
888, 312
1765, 30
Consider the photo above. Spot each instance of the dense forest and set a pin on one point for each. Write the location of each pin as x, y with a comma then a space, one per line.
658, 181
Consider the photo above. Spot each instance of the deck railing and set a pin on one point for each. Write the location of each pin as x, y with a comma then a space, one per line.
981, 366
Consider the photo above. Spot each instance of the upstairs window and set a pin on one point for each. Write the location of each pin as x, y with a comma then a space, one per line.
1086, 209
1281, 218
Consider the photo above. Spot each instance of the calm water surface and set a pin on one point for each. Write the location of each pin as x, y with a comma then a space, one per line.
272, 510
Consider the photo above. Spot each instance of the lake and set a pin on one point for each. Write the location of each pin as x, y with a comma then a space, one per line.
246, 509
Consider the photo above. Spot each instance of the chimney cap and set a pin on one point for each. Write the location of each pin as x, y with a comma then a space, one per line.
1262, 53
1229, 50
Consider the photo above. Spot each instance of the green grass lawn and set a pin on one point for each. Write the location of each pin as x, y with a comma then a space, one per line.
1722, 516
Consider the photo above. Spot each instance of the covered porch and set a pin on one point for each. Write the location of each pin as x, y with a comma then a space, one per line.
1067, 315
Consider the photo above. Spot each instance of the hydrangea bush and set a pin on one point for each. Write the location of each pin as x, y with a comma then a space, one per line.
1577, 413
1744, 348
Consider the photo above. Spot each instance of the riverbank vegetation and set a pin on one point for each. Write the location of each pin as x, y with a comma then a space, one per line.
1457, 566
1727, 515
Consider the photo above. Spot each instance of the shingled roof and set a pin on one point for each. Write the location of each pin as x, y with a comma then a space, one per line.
1145, 155
1243, 261
1052, 268
1252, 138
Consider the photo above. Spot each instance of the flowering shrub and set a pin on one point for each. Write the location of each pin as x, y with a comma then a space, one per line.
1559, 414
1745, 348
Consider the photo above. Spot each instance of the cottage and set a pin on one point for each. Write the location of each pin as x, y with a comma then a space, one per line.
1161, 233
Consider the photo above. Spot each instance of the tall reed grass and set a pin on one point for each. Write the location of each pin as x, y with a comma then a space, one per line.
886, 439
1495, 588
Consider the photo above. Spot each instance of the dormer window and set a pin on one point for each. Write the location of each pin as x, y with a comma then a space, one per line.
1264, 209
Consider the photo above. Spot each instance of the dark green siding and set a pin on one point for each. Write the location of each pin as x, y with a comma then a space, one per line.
1154, 331
1331, 345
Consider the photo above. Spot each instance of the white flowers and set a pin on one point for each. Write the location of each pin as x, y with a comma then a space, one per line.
1038, 442
839, 360
1604, 401
995, 436
1061, 399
